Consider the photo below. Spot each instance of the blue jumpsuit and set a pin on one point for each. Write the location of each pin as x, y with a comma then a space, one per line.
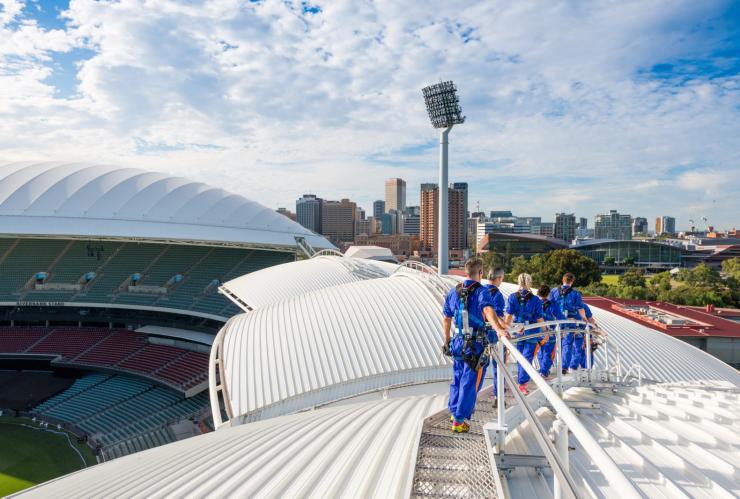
465, 381
525, 312
546, 354
498, 308
570, 303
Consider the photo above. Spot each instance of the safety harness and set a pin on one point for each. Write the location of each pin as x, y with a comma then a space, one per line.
469, 355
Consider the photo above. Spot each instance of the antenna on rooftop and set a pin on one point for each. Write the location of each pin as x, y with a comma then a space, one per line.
443, 107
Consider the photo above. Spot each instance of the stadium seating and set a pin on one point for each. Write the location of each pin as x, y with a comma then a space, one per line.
120, 411
69, 342
18, 340
113, 263
122, 350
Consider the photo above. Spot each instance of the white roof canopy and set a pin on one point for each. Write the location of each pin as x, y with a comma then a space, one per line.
63, 199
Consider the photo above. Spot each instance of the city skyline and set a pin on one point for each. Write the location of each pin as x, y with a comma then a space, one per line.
634, 104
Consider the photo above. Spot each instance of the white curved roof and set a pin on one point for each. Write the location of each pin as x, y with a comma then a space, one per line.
273, 284
333, 343
356, 450
671, 440
73, 199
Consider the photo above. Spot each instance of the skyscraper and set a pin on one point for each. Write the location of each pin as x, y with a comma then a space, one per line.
668, 224
639, 226
658, 226
429, 230
338, 220
565, 226
308, 212
613, 226
395, 195
378, 208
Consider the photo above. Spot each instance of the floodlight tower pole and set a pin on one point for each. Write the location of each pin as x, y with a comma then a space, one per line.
442, 236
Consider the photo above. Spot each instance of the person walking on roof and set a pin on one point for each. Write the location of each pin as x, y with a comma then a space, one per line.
550, 312
570, 302
471, 305
524, 308
492, 284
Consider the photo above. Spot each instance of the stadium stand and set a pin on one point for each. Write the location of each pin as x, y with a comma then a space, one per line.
66, 262
119, 350
121, 414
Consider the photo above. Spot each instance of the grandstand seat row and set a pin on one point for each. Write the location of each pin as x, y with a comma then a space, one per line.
114, 349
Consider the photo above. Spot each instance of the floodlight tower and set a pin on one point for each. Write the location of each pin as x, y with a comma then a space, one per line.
444, 111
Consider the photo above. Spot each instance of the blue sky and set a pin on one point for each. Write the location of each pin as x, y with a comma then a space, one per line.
571, 106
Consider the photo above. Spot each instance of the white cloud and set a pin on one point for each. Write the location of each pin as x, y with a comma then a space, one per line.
328, 102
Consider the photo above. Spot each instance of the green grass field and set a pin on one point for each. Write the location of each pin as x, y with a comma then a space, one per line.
614, 279
29, 456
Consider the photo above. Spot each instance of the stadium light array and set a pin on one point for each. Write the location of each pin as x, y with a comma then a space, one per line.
443, 107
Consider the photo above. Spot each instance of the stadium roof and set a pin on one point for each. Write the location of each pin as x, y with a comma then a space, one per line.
70, 199
325, 345
258, 289
354, 450
333, 343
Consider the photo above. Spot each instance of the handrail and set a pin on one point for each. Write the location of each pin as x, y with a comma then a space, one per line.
429, 272
327, 252
551, 454
602, 460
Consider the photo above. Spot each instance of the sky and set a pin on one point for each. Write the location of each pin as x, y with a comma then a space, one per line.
571, 106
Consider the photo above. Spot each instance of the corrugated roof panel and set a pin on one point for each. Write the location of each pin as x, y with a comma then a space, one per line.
355, 450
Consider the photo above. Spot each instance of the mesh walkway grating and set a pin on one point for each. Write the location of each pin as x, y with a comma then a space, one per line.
455, 465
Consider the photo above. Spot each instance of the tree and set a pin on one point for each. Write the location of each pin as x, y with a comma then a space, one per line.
632, 278
731, 267
559, 262
609, 261
660, 283
629, 261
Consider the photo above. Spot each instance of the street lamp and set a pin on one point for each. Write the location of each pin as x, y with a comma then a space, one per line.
444, 111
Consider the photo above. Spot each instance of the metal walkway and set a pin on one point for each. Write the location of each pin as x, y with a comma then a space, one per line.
452, 464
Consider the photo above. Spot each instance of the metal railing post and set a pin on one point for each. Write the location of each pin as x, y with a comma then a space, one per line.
501, 398
588, 353
560, 431
559, 360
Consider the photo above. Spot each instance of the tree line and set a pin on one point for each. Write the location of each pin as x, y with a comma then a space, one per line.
698, 286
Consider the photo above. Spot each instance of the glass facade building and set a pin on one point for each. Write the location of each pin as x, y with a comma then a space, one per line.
644, 253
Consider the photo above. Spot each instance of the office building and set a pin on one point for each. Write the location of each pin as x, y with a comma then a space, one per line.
639, 226
395, 195
378, 208
613, 226
391, 222
668, 225
364, 226
658, 226
338, 221
430, 216
501, 214
411, 225
463, 187
546, 229
308, 212
565, 226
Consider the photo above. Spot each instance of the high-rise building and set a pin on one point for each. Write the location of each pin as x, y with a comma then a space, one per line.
308, 212
613, 226
364, 226
392, 222
565, 226
463, 187
547, 229
430, 217
668, 224
412, 225
338, 220
395, 195
378, 208
583, 223
639, 226
658, 226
